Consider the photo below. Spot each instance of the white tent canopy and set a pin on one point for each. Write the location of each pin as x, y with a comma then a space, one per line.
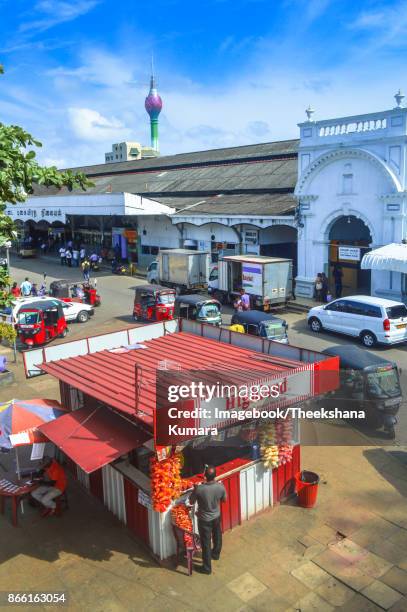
391, 257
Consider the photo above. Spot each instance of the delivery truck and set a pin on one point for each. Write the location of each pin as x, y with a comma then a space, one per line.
267, 280
184, 269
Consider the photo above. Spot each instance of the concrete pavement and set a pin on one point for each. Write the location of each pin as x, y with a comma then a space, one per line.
349, 553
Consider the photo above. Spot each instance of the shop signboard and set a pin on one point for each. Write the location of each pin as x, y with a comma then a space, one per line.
182, 415
349, 253
49, 214
252, 278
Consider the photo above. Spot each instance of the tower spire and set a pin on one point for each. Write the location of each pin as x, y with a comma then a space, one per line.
153, 105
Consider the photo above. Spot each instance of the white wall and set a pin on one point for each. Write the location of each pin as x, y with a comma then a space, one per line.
325, 183
159, 232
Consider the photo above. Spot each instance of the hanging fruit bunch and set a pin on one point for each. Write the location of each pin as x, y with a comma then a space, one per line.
284, 431
268, 446
248, 433
165, 482
180, 518
285, 454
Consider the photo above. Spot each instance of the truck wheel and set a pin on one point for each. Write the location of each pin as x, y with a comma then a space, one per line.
82, 316
315, 325
391, 432
368, 339
63, 333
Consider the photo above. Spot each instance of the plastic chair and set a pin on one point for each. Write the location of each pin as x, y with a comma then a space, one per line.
188, 549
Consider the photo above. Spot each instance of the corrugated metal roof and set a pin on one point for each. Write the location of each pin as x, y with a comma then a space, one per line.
246, 173
281, 147
110, 376
206, 180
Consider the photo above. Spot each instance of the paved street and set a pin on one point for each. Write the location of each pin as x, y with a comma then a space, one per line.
115, 313
349, 553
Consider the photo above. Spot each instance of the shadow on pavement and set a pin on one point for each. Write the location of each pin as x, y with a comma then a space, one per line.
86, 530
391, 465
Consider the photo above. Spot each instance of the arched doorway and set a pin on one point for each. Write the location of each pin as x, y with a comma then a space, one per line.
349, 239
280, 241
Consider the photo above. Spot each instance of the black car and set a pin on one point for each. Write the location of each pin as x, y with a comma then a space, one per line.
262, 324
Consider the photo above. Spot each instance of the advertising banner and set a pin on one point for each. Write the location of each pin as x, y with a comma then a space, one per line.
252, 278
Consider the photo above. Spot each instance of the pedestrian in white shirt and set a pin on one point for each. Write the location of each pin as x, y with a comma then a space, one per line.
68, 257
75, 258
62, 255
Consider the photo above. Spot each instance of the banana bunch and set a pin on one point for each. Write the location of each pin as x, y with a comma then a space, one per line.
268, 446
270, 456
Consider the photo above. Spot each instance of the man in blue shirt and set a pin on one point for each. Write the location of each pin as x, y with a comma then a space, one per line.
26, 287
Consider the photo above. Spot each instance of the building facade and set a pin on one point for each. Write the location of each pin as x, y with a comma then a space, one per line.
323, 200
351, 193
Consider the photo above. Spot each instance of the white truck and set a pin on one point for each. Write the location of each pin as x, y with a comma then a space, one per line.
184, 269
264, 279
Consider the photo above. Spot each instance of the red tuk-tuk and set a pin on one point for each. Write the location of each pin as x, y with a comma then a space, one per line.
40, 322
153, 303
70, 291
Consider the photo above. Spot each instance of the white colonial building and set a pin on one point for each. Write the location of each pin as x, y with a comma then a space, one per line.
351, 191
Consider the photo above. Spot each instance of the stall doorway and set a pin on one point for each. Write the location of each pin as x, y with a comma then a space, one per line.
349, 239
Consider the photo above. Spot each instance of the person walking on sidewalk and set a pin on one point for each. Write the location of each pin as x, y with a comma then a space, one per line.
208, 495
68, 257
62, 255
75, 258
86, 270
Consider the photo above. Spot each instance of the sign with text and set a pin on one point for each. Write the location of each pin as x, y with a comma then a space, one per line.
252, 278
349, 253
196, 403
23, 213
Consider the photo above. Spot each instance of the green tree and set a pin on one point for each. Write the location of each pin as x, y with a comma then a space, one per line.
20, 172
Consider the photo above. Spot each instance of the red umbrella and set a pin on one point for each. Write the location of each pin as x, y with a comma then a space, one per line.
19, 420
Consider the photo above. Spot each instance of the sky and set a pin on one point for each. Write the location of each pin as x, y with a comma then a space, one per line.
230, 72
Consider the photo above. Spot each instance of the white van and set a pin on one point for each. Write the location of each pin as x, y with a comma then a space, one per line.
374, 320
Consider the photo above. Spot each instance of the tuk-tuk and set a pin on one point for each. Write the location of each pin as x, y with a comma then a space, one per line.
198, 307
71, 291
40, 322
262, 324
369, 383
153, 303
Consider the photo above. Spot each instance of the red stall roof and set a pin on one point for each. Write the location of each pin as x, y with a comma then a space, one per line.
110, 375
94, 437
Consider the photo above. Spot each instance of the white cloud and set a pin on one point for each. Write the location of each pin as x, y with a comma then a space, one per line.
56, 12
90, 125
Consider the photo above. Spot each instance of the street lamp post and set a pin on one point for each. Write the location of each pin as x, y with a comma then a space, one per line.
8, 247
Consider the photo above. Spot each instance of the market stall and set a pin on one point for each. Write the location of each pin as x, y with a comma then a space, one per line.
111, 440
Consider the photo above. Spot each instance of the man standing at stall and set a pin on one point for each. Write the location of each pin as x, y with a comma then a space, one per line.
52, 485
208, 495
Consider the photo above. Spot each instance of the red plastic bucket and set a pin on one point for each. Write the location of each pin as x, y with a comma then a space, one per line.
307, 488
